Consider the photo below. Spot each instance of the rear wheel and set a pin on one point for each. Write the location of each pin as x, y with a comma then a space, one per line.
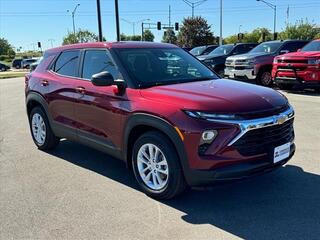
156, 166
41, 132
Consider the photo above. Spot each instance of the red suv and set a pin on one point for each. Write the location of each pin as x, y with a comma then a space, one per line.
160, 110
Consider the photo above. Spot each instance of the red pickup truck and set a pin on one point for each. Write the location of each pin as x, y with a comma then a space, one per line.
298, 69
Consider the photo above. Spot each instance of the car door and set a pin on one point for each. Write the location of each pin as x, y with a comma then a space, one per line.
61, 83
98, 108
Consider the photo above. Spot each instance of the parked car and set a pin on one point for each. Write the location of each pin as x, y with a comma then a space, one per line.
4, 67
174, 128
27, 62
16, 63
256, 65
203, 50
34, 65
298, 69
217, 58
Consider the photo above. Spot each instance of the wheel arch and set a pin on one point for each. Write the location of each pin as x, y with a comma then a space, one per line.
140, 123
34, 99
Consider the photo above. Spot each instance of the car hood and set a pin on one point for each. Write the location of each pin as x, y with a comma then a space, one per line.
220, 95
249, 55
301, 54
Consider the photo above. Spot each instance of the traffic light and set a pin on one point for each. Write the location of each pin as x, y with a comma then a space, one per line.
240, 36
39, 44
176, 26
159, 25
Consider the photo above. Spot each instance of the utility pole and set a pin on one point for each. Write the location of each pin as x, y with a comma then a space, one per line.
99, 21
51, 40
169, 16
274, 8
220, 38
117, 19
193, 5
72, 15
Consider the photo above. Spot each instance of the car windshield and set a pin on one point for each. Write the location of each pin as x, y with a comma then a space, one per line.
313, 46
222, 50
266, 47
161, 66
197, 50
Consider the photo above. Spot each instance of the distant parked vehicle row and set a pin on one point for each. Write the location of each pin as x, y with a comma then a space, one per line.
4, 67
256, 65
298, 69
217, 58
203, 50
23, 63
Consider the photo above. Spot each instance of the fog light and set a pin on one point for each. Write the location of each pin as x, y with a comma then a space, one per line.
208, 136
313, 75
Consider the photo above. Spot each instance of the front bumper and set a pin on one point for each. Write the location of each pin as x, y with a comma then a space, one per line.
244, 73
237, 171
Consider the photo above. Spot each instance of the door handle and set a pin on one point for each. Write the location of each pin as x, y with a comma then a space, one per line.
44, 82
81, 90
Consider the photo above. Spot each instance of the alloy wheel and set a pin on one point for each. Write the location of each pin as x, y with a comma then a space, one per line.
152, 166
266, 79
38, 129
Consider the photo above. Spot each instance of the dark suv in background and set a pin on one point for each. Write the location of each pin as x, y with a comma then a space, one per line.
203, 50
165, 114
256, 65
217, 58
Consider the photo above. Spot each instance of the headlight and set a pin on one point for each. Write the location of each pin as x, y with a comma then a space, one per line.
275, 60
314, 61
212, 116
250, 61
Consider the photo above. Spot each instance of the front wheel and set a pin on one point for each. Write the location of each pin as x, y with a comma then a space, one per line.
41, 132
265, 78
156, 166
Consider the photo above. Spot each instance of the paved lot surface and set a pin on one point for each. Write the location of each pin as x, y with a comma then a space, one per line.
75, 192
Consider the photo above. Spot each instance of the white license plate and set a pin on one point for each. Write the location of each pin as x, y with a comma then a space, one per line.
281, 152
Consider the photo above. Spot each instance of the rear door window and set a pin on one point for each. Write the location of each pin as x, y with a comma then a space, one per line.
293, 46
67, 63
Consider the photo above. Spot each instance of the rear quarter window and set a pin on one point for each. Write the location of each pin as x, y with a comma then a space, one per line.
67, 63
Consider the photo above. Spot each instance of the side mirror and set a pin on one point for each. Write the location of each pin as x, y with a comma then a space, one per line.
284, 52
106, 79
102, 79
299, 50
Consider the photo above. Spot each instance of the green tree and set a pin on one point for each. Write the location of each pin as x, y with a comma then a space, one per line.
148, 36
6, 48
195, 31
80, 36
302, 30
255, 36
169, 37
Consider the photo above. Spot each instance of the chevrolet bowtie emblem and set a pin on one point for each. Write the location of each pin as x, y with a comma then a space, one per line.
281, 119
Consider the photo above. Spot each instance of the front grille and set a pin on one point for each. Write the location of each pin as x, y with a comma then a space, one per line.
293, 61
264, 140
265, 113
229, 62
285, 68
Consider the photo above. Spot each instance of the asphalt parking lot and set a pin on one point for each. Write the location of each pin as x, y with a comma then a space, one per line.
75, 192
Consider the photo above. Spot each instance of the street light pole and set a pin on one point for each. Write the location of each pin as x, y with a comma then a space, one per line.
134, 24
99, 21
193, 5
72, 15
274, 7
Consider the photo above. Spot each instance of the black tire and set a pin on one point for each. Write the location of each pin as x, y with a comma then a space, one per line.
3, 69
284, 86
176, 183
264, 77
51, 141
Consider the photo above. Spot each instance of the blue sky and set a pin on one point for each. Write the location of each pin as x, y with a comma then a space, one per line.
25, 22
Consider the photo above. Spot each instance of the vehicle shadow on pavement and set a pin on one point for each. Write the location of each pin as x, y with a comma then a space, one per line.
282, 204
